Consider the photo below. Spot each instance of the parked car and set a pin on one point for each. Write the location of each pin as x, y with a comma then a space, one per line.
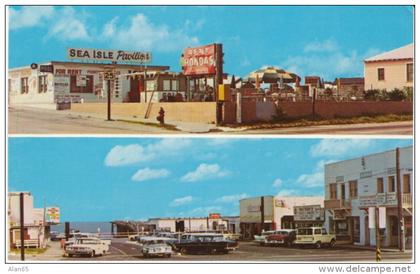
260, 239
282, 237
315, 236
156, 247
88, 247
204, 243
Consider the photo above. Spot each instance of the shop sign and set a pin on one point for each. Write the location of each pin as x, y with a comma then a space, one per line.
279, 203
214, 216
52, 215
199, 60
119, 56
46, 68
61, 84
254, 208
367, 201
339, 215
308, 213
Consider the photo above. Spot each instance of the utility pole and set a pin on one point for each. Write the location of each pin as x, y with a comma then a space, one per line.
22, 227
262, 213
378, 236
401, 234
109, 100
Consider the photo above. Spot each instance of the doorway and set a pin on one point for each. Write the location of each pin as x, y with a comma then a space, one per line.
180, 226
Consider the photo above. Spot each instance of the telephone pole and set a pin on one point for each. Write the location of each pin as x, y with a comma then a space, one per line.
401, 234
22, 226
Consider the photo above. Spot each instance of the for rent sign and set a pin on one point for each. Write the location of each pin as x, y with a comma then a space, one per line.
119, 56
199, 60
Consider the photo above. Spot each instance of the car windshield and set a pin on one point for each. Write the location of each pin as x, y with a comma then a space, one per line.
267, 233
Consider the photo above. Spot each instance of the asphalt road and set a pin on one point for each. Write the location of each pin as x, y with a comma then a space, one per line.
120, 250
44, 121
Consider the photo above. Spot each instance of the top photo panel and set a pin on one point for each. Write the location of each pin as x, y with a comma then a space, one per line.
233, 70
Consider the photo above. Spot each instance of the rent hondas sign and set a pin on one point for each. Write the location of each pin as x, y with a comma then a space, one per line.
119, 56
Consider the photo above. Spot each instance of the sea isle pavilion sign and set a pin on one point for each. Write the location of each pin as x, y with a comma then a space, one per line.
116, 56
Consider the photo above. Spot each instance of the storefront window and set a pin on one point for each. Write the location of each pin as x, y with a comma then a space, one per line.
333, 191
24, 85
406, 183
353, 189
150, 85
42, 87
380, 185
81, 84
175, 84
166, 85
391, 184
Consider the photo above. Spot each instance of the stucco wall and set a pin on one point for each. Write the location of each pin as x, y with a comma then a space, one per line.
395, 75
203, 112
329, 109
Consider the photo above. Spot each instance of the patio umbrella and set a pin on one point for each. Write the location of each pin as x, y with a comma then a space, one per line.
272, 74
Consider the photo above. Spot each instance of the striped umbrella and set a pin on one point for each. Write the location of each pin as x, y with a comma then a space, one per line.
272, 74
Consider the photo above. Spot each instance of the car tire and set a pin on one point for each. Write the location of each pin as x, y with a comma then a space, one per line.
213, 251
318, 245
183, 251
92, 254
168, 255
70, 255
289, 244
332, 243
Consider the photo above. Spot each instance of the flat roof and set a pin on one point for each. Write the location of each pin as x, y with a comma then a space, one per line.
128, 66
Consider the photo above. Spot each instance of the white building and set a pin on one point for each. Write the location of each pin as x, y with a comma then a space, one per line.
49, 82
270, 213
214, 222
352, 186
36, 225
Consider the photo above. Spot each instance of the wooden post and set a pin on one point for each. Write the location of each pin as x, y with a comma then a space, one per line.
401, 236
22, 226
109, 100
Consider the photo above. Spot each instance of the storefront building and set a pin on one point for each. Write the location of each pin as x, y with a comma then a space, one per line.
84, 82
264, 213
37, 221
353, 186
213, 222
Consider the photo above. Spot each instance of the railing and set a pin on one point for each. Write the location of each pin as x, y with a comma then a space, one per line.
333, 204
407, 200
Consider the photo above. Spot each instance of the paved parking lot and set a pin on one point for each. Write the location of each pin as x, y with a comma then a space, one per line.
121, 250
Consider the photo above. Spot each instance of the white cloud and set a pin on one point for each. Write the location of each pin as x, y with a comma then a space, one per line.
125, 155
143, 34
221, 141
287, 192
147, 174
29, 16
181, 201
231, 198
311, 180
277, 182
339, 147
203, 211
134, 153
327, 60
323, 46
205, 171
68, 25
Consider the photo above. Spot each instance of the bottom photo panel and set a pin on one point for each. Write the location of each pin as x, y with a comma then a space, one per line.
140, 200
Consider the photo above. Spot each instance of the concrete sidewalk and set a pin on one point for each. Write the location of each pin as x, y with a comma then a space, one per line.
54, 252
373, 248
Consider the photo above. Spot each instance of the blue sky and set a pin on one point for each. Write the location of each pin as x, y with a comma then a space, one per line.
330, 41
102, 179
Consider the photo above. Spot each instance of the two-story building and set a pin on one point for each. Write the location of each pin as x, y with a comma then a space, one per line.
391, 69
353, 186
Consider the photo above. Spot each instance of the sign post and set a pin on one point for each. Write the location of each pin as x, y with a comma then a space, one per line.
109, 76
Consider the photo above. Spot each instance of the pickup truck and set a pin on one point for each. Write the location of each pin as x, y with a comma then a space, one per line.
88, 247
314, 236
